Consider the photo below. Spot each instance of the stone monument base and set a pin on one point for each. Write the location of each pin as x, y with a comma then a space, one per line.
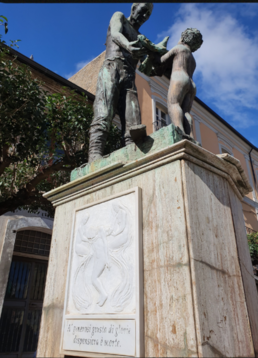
149, 257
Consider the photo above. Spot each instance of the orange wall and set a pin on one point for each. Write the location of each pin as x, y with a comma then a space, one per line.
159, 83
157, 95
194, 131
209, 139
250, 217
240, 157
256, 188
145, 101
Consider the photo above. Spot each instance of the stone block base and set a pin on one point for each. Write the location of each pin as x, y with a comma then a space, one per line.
198, 292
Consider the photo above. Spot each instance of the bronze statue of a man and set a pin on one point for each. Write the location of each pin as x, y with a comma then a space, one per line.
116, 90
182, 89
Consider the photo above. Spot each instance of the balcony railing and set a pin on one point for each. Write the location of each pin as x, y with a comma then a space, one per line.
159, 123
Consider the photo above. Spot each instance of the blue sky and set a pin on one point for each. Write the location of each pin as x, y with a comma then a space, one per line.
65, 37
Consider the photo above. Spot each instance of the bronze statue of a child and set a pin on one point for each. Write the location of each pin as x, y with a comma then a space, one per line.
182, 89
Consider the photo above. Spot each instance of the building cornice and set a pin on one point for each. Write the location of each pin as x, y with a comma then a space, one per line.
196, 117
225, 140
139, 73
251, 202
226, 124
217, 126
156, 88
162, 81
159, 100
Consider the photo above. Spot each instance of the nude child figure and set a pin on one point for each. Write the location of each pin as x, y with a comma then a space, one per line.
97, 237
182, 89
100, 247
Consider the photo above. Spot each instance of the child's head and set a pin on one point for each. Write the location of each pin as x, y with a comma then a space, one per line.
193, 38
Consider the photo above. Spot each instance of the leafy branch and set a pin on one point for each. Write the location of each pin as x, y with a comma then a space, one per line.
43, 137
253, 246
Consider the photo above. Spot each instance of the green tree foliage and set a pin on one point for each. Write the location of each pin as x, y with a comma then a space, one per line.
4, 22
43, 137
253, 246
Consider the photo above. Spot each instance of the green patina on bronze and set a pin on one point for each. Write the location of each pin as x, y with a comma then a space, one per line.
116, 92
161, 48
163, 138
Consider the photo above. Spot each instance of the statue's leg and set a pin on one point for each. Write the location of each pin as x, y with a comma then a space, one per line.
104, 108
129, 108
98, 268
129, 112
132, 113
186, 106
178, 88
121, 112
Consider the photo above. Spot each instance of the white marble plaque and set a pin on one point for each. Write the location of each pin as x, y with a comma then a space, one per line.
100, 336
104, 276
102, 273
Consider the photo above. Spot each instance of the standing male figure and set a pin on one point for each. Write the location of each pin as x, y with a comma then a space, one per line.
116, 88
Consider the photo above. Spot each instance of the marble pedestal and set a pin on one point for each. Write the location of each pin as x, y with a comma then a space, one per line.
194, 291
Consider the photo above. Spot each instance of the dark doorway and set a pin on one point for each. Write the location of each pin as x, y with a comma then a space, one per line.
21, 314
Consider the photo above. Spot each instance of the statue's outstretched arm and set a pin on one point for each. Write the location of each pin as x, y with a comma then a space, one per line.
116, 29
168, 56
160, 48
152, 66
159, 65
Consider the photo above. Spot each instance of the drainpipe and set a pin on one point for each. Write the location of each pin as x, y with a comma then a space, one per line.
252, 166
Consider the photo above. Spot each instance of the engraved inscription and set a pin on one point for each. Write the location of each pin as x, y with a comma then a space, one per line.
103, 336
103, 263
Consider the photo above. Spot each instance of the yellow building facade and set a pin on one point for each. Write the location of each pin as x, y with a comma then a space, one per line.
214, 133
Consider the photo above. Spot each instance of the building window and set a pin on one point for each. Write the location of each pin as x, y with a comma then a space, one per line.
225, 150
22, 307
32, 242
161, 119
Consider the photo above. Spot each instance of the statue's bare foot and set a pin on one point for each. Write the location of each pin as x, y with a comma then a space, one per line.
102, 300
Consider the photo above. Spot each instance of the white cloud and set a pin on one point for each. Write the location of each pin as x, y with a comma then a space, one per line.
78, 66
227, 62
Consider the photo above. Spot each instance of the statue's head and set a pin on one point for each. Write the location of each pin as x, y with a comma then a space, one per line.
140, 12
192, 38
